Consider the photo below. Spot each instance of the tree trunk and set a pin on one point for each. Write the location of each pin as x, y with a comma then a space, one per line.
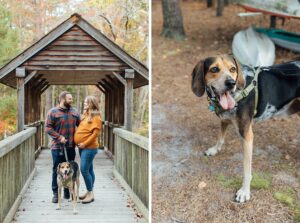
143, 101
78, 99
53, 96
173, 23
209, 3
220, 7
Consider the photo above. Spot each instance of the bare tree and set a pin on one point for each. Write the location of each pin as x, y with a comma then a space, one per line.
173, 23
220, 7
78, 99
209, 3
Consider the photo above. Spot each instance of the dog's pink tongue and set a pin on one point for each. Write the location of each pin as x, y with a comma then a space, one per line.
65, 177
227, 101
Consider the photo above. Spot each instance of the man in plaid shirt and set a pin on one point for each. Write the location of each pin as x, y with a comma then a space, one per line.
60, 126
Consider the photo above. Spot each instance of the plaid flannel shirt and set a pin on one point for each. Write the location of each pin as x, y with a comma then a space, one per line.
62, 122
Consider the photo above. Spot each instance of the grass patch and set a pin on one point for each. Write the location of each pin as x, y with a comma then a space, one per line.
288, 198
297, 213
259, 181
230, 182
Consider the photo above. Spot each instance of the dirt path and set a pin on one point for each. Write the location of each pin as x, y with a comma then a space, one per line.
188, 187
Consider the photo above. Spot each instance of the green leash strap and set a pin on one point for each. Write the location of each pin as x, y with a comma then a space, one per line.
246, 91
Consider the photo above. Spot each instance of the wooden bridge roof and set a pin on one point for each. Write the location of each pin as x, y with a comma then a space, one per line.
74, 53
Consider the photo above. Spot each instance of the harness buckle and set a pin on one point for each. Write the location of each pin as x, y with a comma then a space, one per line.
244, 93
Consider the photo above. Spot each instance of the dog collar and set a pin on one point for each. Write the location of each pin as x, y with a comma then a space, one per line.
214, 106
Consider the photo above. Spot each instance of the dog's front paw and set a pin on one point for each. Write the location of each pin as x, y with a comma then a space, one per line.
58, 207
242, 195
75, 212
211, 151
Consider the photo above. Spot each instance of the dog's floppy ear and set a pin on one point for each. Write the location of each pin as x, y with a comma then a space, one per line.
57, 169
240, 83
198, 85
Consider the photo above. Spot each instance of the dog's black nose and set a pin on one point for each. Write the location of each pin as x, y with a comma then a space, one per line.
229, 83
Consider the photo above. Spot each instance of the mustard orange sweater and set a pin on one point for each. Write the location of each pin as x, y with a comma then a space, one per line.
87, 132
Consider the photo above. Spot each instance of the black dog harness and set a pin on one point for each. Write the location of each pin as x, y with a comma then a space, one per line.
252, 86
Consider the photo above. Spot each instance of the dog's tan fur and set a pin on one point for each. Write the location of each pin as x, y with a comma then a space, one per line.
69, 183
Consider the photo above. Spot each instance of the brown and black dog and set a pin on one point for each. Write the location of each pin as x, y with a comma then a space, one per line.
277, 94
68, 177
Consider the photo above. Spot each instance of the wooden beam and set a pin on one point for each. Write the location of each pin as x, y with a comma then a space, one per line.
120, 78
117, 100
112, 97
30, 76
37, 78
101, 89
129, 73
129, 76
20, 74
43, 85
45, 88
39, 82
112, 81
72, 67
105, 85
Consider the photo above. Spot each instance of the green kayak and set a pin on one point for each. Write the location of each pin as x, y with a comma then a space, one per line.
282, 38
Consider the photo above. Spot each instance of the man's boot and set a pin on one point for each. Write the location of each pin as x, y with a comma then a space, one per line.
55, 198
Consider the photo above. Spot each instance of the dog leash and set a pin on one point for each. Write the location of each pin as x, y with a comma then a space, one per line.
65, 152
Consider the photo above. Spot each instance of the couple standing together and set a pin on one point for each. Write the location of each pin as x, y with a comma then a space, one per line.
67, 128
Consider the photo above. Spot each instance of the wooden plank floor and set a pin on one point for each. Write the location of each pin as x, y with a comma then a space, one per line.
110, 205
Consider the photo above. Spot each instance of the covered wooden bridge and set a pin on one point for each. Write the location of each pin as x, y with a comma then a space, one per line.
74, 53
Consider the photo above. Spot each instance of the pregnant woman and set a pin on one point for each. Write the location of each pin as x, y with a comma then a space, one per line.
86, 138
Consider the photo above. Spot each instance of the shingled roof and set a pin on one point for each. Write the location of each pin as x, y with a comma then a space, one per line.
76, 53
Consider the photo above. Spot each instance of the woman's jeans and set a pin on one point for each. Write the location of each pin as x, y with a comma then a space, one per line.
86, 166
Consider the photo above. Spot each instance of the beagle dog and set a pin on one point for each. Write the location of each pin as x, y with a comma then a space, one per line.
276, 93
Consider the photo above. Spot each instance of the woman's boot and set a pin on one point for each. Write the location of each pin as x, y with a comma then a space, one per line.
89, 198
83, 196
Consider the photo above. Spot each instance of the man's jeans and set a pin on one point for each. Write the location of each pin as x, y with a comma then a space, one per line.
86, 166
58, 158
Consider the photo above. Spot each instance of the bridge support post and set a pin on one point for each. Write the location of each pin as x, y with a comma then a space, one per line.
129, 76
20, 74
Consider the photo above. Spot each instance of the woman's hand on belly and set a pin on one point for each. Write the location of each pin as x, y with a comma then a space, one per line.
80, 145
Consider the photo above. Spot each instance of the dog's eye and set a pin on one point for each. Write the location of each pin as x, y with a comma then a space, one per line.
232, 70
214, 70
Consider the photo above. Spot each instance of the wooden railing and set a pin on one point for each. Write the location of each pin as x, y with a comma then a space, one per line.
17, 155
108, 136
131, 166
39, 136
